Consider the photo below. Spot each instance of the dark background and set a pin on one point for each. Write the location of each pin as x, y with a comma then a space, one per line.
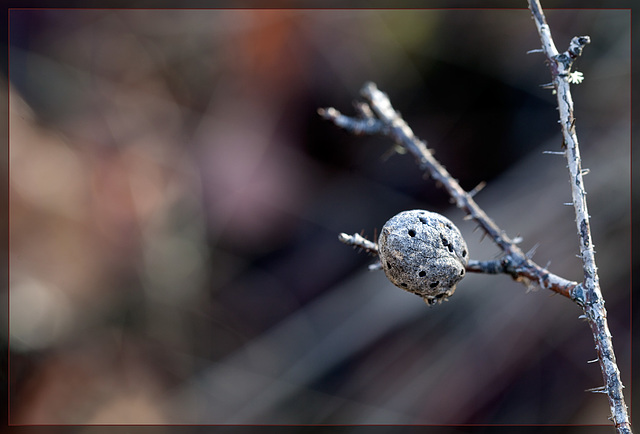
175, 202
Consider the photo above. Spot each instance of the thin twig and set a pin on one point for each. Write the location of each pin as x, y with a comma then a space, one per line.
560, 65
358, 240
515, 262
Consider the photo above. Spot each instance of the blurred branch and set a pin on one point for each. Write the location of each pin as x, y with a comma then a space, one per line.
560, 65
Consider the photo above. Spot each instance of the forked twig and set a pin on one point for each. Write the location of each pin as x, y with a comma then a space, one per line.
377, 116
383, 119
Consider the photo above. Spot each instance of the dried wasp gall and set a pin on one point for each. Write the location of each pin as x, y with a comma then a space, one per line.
424, 253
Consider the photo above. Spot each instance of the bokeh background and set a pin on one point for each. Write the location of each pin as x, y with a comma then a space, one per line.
175, 202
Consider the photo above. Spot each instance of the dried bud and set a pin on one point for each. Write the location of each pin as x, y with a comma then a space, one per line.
424, 253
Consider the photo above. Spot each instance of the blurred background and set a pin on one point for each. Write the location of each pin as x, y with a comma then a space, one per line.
175, 202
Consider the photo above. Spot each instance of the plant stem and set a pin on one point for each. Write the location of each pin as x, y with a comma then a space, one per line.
388, 122
595, 312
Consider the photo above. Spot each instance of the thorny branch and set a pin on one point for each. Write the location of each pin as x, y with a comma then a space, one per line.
560, 65
383, 119
377, 116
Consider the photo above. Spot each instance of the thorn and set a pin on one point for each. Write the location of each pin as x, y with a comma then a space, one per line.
389, 153
553, 152
547, 86
532, 251
583, 317
363, 109
531, 287
375, 266
467, 217
601, 389
568, 203
585, 171
328, 112
592, 361
401, 150
477, 188
517, 239
535, 50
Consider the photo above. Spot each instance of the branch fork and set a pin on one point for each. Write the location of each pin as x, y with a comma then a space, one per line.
388, 122
376, 115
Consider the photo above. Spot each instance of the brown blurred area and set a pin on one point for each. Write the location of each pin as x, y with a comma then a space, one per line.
175, 202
